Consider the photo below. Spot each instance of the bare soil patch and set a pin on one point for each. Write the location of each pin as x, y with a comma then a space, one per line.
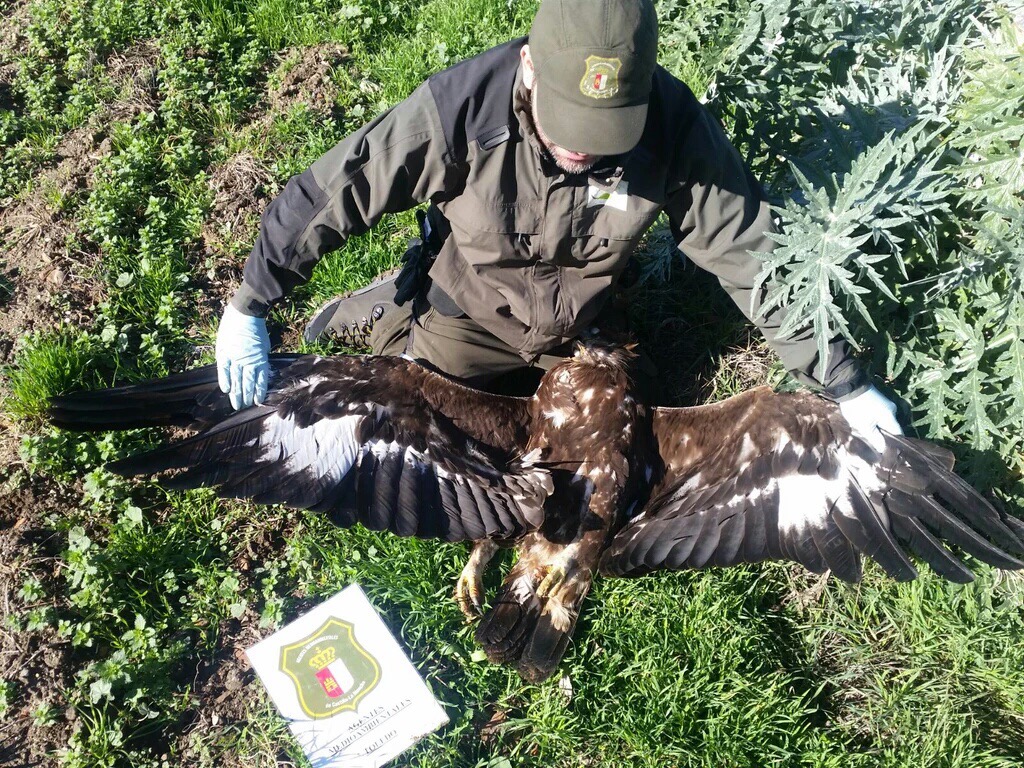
243, 185
46, 275
241, 188
225, 689
308, 79
134, 71
38, 663
14, 18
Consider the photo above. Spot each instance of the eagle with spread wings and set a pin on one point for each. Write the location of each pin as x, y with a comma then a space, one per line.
581, 477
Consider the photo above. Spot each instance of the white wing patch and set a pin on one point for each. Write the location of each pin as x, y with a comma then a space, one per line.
748, 450
807, 500
327, 446
867, 475
804, 500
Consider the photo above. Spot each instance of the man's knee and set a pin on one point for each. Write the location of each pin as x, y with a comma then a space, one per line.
390, 334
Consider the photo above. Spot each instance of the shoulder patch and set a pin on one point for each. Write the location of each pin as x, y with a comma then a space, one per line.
474, 98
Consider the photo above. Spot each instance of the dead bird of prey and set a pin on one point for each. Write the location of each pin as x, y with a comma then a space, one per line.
582, 478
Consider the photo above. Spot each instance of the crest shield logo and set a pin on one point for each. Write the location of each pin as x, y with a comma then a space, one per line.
331, 671
601, 79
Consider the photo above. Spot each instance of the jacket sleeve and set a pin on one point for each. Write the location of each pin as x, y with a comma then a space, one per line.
719, 214
391, 164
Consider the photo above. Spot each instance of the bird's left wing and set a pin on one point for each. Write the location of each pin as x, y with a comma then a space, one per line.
781, 476
376, 440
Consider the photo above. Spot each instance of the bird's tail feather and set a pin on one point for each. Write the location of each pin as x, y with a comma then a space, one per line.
505, 627
545, 648
189, 399
525, 630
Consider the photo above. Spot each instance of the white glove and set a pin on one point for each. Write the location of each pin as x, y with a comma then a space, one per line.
242, 365
869, 411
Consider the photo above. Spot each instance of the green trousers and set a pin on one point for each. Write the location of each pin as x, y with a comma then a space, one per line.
458, 347
464, 350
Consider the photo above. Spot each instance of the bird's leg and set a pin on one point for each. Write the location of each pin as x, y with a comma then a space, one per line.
469, 590
559, 575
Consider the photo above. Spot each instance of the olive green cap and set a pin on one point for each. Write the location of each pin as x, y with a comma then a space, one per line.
594, 62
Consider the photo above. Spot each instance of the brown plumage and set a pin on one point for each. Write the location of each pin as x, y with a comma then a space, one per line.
580, 478
584, 424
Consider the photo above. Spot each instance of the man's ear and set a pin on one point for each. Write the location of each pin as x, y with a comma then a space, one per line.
528, 73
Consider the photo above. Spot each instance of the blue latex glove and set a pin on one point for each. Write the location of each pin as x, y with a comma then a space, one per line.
243, 369
867, 412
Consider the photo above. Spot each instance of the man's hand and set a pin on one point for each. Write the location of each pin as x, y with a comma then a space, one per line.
869, 411
242, 365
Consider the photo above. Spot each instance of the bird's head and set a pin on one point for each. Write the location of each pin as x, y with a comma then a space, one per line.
605, 354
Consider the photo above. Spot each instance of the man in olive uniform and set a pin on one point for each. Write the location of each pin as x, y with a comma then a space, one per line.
544, 160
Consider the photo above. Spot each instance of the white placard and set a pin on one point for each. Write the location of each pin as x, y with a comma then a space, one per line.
350, 695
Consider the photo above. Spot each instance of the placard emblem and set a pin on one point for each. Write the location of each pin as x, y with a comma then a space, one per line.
331, 671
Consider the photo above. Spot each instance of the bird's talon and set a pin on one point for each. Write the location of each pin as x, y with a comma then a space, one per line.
468, 594
554, 579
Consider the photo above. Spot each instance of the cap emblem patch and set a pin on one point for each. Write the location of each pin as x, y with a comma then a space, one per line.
601, 80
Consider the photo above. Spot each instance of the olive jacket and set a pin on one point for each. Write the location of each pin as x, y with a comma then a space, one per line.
530, 252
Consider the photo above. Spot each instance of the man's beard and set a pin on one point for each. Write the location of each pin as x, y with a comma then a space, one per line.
566, 164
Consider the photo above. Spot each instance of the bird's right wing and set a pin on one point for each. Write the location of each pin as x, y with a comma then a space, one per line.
781, 476
376, 440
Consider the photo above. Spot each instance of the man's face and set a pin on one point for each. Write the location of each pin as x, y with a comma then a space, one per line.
566, 159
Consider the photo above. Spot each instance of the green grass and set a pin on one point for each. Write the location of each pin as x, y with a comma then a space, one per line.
749, 667
47, 365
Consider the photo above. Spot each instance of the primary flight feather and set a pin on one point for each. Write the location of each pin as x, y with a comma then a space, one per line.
581, 477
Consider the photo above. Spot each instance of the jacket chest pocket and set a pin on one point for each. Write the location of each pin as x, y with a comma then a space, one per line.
494, 230
609, 237
618, 217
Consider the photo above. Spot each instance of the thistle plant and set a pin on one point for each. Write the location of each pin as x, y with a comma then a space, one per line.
888, 135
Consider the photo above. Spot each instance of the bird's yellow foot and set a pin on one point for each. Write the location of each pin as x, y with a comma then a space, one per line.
552, 582
469, 591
